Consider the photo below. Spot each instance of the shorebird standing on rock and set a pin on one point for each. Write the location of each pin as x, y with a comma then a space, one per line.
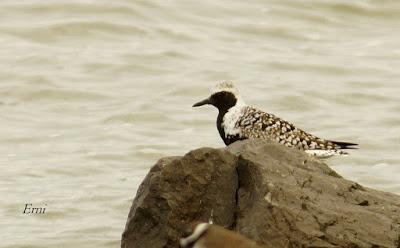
238, 121
204, 235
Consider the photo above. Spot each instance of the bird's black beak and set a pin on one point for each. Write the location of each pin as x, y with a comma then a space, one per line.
201, 103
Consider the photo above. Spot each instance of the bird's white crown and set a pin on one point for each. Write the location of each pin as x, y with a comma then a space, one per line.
225, 86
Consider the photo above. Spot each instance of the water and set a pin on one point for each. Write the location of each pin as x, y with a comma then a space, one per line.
92, 93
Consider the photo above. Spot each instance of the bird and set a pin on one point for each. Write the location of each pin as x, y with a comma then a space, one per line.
205, 235
238, 121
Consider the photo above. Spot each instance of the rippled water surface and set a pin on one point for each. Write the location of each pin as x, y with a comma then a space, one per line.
92, 93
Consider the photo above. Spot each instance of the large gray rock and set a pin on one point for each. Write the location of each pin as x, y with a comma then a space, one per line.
289, 199
177, 191
277, 196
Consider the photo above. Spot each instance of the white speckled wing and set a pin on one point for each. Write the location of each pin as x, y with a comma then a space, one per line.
255, 123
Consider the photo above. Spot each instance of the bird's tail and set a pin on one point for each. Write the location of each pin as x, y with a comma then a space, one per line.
345, 145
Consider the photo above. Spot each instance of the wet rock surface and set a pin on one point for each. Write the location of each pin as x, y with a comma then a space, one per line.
277, 196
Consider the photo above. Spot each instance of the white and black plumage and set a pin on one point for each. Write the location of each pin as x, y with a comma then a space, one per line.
238, 121
204, 235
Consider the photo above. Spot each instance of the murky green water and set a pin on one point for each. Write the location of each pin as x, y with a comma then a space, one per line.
92, 93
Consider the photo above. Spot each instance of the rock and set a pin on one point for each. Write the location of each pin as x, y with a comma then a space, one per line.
277, 196
179, 190
289, 199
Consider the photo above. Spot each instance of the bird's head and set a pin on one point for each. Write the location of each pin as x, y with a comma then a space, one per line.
224, 96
